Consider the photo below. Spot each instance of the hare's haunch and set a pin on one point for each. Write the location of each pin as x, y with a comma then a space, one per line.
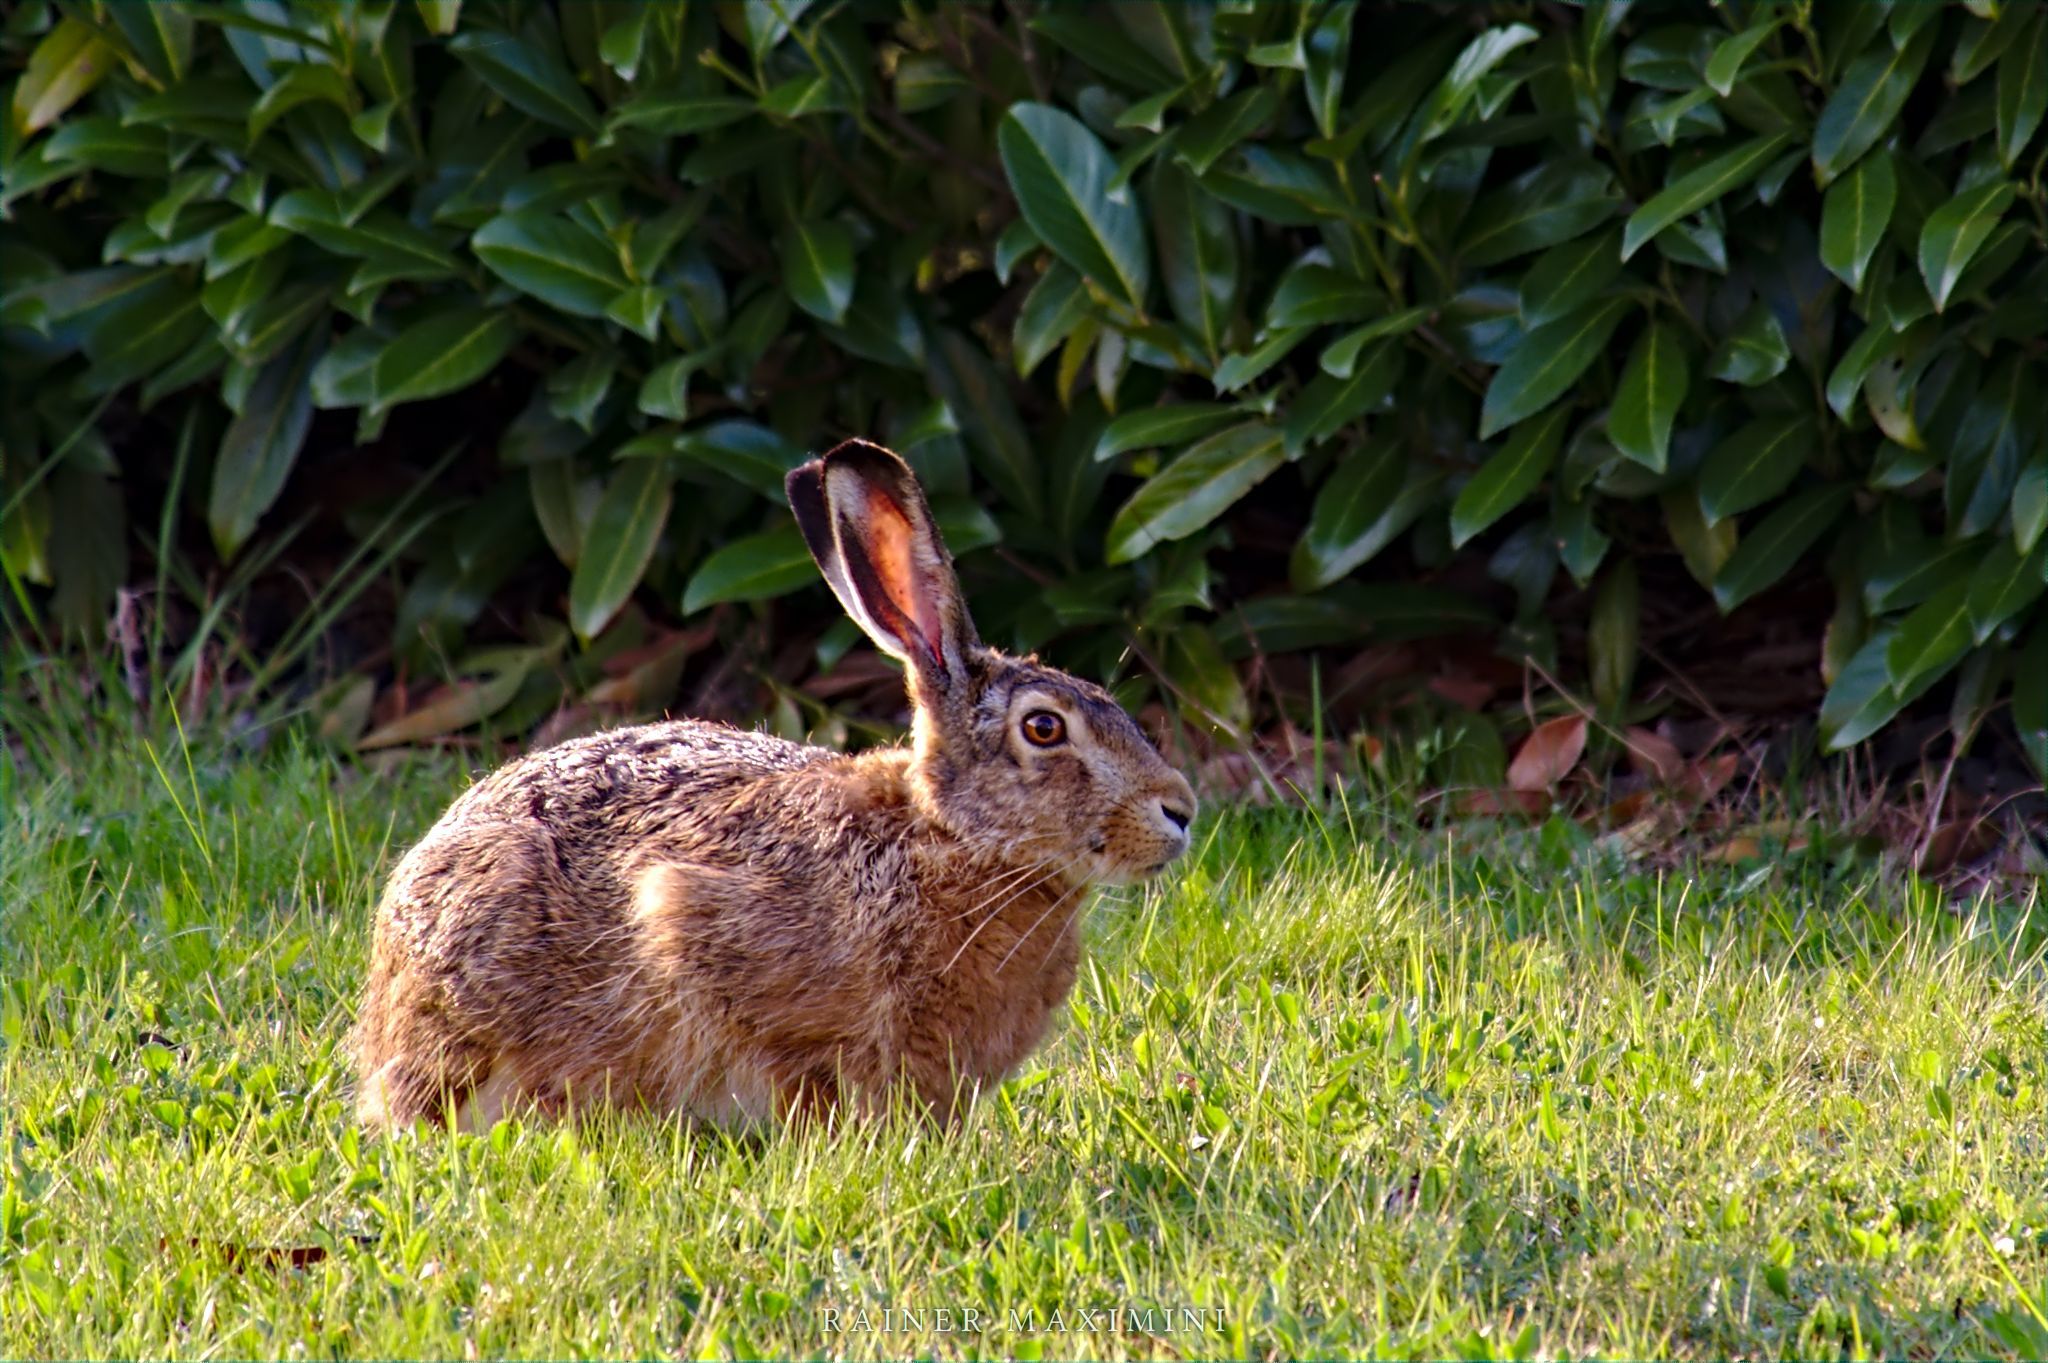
693, 918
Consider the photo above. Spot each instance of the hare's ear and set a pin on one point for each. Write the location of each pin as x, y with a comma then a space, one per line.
866, 522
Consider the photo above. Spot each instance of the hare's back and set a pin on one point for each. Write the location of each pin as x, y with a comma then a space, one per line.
631, 782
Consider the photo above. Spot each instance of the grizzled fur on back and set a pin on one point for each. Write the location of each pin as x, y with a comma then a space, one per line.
704, 920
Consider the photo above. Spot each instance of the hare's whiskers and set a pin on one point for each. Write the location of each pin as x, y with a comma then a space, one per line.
1039, 922
1050, 868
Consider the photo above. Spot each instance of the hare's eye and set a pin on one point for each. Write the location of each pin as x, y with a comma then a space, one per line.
1043, 729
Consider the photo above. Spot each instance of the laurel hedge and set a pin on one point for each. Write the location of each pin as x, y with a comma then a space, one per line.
1757, 288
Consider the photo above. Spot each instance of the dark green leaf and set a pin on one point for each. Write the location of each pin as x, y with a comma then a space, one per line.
1769, 550
2030, 502
530, 73
1568, 275
962, 376
441, 353
1933, 635
556, 260
1548, 361
2005, 583
1556, 202
160, 35
1653, 387
261, 445
1152, 427
1328, 404
1753, 352
1061, 174
1734, 50
1755, 464
1198, 486
680, 114
623, 533
1614, 635
1862, 107
817, 268
1238, 370
1853, 217
1956, 230
1199, 256
1506, 479
743, 449
1310, 294
1053, 308
752, 568
1691, 192
1374, 494
2022, 92
1223, 125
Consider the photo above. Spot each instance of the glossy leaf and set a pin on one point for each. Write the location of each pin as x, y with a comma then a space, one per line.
1506, 479
1569, 274
1373, 496
1755, 464
556, 260
1956, 231
1199, 254
1863, 106
1768, 550
1753, 352
817, 268
530, 73
441, 353
1652, 389
1198, 486
1549, 361
623, 532
2005, 583
1853, 218
1934, 634
260, 446
1693, 191
1152, 427
751, 568
1060, 175
2022, 92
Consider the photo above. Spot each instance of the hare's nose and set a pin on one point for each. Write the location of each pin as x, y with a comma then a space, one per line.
1175, 815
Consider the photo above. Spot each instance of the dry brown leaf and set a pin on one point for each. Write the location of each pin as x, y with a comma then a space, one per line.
1548, 754
1493, 803
1956, 841
1468, 693
1706, 777
448, 710
1655, 756
1741, 848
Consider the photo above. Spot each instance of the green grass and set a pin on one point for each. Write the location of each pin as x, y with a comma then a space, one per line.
1343, 1089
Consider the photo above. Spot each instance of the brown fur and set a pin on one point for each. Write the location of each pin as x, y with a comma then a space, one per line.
703, 920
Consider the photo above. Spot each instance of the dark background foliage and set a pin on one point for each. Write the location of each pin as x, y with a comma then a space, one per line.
1688, 357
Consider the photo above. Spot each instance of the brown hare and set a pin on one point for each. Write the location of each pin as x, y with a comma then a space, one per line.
693, 918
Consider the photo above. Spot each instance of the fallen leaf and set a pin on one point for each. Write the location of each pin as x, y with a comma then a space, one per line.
1655, 756
1742, 848
1548, 754
1468, 693
1493, 803
1958, 840
1704, 779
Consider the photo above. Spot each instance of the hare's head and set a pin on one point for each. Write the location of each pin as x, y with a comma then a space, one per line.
1037, 764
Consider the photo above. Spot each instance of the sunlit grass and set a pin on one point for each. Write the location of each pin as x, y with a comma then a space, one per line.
1335, 1089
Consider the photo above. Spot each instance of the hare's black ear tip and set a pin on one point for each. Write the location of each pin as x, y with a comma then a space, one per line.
864, 456
805, 480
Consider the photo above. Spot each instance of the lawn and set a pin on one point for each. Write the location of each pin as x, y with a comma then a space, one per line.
1334, 1088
